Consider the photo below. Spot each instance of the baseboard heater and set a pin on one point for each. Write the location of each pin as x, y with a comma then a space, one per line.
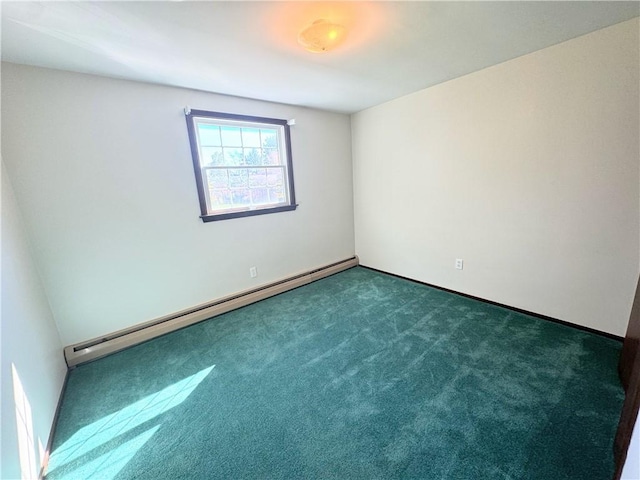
99, 347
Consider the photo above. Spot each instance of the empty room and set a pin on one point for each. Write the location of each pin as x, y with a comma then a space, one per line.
341, 240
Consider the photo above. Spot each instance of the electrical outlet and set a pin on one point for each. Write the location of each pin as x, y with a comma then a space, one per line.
459, 263
253, 272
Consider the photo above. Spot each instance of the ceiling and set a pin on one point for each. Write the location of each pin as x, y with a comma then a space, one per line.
249, 49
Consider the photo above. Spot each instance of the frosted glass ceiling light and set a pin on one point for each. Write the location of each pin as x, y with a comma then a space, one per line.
322, 36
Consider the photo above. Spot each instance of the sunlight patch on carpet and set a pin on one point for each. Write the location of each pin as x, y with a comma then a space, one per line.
111, 428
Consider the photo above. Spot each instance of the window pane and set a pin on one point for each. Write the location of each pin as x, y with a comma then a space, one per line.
233, 156
252, 156
220, 198
238, 178
276, 195
209, 135
269, 138
217, 178
231, 136
241, 197
275, 176
211, 156
251, 137
259, 196
257, 177
270, 156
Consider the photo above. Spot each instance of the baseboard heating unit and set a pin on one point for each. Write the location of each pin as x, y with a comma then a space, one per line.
116, 341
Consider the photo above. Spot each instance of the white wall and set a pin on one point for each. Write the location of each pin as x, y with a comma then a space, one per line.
103, 174
527, 170
29, 341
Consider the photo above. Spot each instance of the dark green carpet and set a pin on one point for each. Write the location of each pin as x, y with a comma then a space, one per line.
359, 375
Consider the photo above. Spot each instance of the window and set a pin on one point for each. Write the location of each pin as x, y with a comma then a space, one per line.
242, 164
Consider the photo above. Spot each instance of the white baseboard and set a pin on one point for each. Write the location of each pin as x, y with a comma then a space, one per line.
116, 341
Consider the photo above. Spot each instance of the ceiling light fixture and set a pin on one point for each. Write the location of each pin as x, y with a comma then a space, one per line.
322, 36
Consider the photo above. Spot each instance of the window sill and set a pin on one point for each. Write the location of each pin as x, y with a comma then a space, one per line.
246, 213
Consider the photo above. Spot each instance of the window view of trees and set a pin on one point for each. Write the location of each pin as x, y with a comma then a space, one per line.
243, 166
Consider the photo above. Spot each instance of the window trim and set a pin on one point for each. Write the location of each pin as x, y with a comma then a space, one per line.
195, 156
